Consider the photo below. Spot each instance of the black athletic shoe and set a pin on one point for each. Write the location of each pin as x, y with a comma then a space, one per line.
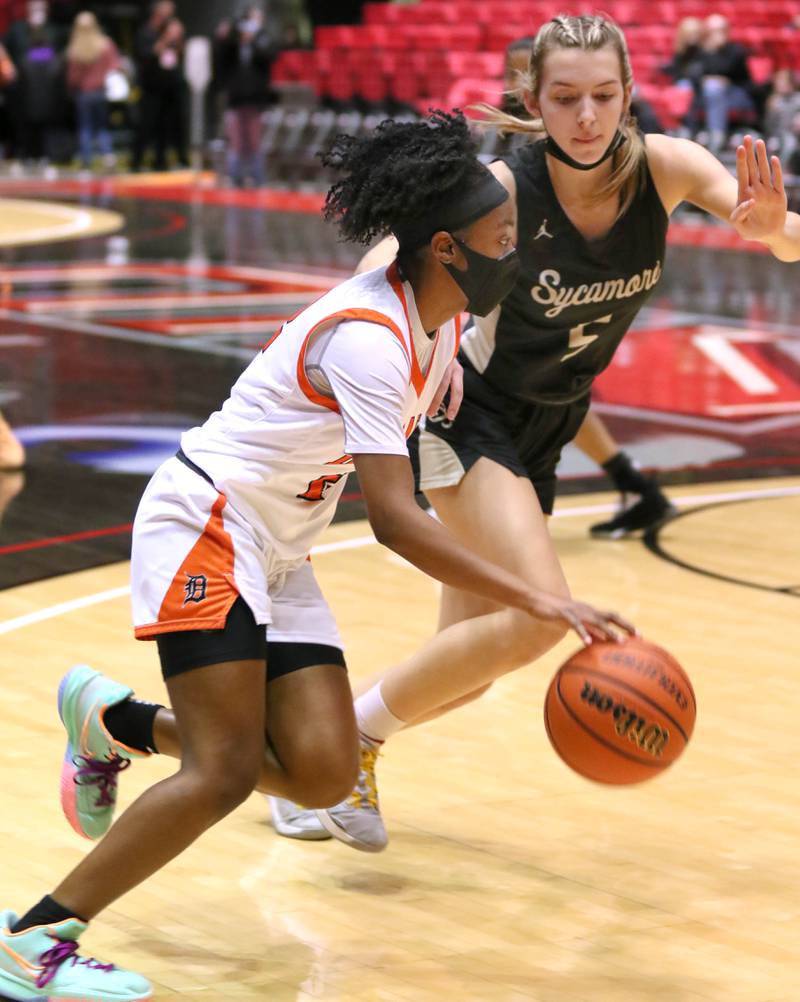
650, 511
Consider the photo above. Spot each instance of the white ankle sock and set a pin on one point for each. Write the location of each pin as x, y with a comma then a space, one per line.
374, 718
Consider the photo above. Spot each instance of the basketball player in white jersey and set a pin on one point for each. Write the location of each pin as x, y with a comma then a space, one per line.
606, 193
220, 571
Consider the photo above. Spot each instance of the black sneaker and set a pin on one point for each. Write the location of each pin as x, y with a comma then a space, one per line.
651, 510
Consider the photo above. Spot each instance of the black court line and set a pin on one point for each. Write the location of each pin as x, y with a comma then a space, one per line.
653, 543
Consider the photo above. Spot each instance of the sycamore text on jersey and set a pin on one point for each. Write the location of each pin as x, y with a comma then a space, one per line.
549, 291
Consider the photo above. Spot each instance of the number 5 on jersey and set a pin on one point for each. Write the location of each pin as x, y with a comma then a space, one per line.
578, 340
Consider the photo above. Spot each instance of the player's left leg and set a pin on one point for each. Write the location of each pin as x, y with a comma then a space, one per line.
220, 710
498, 514
310, 753
650, 506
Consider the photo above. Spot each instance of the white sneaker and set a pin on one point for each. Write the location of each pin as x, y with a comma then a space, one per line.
293, 821
357, 821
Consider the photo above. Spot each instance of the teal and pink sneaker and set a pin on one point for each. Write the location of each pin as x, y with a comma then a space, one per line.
93, 759
42, 964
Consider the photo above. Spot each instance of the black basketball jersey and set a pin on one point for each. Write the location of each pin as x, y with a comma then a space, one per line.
574, 299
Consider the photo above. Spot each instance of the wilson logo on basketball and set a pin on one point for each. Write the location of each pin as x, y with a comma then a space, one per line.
649, 737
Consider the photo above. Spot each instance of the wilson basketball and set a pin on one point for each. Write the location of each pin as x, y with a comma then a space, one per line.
620, 712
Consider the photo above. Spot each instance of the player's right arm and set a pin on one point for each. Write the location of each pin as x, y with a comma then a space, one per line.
401, 525
368, 371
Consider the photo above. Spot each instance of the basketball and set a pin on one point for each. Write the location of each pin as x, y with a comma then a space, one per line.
620, 712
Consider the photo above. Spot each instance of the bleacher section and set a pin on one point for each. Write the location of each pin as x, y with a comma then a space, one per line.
437, 53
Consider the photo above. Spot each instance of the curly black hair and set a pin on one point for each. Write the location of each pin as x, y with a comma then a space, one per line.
399, 174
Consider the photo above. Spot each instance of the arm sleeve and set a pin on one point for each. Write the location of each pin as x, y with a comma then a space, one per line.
368, 371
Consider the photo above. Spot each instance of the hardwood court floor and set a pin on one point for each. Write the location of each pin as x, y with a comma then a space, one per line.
507, 876
23, 221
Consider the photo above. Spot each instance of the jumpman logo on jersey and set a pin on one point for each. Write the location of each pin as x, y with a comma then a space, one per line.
543, 232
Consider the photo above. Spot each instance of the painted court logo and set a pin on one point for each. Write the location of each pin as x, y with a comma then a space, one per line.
195, 588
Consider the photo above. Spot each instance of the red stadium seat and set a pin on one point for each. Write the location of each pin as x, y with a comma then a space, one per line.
761, 68
384, 13
371, 84
478, 65
500, 36
337, 36
669, 103
434, 49
447, 38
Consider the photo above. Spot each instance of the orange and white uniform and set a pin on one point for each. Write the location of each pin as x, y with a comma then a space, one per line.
353, 373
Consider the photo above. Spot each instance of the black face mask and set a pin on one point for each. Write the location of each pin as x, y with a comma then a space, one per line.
487, 280
555, 150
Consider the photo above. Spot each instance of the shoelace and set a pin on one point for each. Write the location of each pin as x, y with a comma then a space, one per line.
366, 792
101, 773
64, 950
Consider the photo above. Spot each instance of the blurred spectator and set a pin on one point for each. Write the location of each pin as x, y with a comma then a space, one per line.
515, 76
645, 114
686, 66
515, 83
295, 24
782, 114
243, 55
159, 62
35, 97
91, 56
725, 85
8, 74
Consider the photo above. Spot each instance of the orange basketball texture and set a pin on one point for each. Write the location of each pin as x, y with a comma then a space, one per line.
620, 712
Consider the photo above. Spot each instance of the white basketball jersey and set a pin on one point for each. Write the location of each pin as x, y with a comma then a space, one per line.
353, 371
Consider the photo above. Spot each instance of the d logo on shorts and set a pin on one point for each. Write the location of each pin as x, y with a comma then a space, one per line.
195, 588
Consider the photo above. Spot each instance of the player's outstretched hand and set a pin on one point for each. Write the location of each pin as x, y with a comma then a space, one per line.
589, 623
761, 204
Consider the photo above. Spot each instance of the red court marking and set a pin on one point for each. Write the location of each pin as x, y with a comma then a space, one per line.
260, 198
91, 271
662, 368
37, 544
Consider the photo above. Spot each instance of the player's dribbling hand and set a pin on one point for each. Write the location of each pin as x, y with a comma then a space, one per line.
761, 203
589, 623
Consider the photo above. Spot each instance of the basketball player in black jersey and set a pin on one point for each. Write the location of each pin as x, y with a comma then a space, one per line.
648, 506
594, 200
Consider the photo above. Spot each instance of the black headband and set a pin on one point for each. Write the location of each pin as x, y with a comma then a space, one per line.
453, 213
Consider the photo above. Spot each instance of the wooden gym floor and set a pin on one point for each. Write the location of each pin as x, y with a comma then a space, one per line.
507, 876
